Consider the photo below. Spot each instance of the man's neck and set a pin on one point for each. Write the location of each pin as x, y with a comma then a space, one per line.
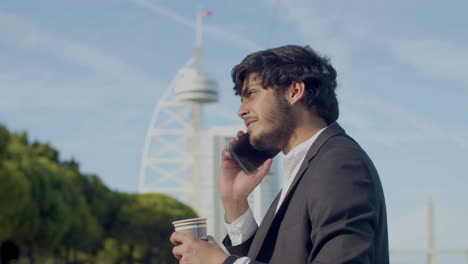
303, 132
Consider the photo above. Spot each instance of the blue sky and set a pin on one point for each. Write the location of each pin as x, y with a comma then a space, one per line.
86, 76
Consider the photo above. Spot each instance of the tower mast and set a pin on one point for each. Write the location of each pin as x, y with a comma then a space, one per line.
172, 162
432, 251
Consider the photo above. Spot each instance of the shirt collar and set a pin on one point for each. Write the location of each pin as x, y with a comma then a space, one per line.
298, 153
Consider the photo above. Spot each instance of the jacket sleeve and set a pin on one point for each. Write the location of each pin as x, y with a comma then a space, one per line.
344, 209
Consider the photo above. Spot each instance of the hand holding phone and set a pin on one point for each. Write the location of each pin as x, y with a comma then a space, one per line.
241, 173
248, 158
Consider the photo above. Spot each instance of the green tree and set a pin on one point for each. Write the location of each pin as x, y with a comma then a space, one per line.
103, 202
47, 217
44, 150
146, 219
4, 140
95, 211
49, 207
50, 216
14, 190
85, 232
15, 197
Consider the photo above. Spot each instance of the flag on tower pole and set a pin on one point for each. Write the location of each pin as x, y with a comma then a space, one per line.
206, 13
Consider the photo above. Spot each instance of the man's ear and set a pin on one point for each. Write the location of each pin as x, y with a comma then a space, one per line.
296, 92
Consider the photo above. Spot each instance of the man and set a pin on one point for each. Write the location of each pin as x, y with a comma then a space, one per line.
331, 208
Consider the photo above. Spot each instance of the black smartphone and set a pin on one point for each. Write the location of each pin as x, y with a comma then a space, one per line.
248, 158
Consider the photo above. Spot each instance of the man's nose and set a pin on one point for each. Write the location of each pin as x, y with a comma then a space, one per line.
243, 111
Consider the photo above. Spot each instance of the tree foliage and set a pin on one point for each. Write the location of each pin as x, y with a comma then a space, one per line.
49, 206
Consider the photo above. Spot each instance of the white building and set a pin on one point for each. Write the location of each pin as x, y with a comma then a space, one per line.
217, 139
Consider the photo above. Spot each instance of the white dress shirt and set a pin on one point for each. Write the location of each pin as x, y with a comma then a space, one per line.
241, 229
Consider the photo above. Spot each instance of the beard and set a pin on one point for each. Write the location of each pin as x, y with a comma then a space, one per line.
281, 123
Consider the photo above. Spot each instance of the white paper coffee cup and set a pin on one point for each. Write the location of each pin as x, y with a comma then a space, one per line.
194, 226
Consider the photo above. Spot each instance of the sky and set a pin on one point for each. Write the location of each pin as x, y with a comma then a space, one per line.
87, 75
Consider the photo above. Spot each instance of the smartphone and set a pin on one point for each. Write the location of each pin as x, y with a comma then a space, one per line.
248, 158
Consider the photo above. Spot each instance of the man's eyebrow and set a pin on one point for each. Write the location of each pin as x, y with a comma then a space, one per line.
247, 88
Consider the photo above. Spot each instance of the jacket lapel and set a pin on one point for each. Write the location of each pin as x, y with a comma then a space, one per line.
331, 131
270, 221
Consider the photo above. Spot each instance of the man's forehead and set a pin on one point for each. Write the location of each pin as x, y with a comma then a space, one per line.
251, 79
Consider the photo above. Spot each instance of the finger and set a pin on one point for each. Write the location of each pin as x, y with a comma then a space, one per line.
178, 252
228, 161
178, 238
240, 133
232, 141
226, 155
174, 239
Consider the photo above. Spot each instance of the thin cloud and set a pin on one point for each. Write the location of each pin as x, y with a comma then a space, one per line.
434, 57
25, 90
413, 127
342, 29
165, 12
333, 29
421, 125
216, 32
327, 27
32, 93
21, 33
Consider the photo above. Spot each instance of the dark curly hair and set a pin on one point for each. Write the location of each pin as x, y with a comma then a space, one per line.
279, 67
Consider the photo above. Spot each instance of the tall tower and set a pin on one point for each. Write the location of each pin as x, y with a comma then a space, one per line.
171, 161
431, 247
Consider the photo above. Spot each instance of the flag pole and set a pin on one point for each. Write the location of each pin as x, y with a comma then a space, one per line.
198, 41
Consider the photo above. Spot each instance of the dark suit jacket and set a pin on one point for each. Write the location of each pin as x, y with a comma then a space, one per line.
334, 211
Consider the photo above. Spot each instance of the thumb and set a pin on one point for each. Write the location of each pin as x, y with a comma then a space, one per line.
262, 172
265, 168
